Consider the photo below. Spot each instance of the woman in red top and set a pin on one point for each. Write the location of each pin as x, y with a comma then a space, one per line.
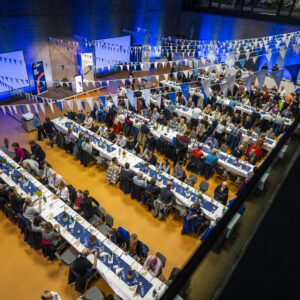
257, 150
79, 198
20, 154
116, 126
197, 152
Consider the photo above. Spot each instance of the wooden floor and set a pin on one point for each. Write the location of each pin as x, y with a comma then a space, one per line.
19, 263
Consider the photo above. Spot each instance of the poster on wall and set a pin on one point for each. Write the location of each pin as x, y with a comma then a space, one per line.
39, 77
87, 66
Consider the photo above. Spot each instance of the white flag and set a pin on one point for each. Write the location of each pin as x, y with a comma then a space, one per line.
28, 108
9, 108
78, 104
51, 106
156, 77
90, 102
166, 76
15, 109
3, 108
36, 108
115, 99
42, 106
70, 104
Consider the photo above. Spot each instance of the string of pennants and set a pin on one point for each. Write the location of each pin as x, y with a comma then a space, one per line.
225, 86
194, 63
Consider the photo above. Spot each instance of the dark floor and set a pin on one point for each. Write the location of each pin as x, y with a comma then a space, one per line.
270, 267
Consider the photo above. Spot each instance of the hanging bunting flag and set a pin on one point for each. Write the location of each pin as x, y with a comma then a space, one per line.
261, 76
131, 99
115, 100
205, 84
70, 104
51, 106
3, 108
156, 77
277, 75
59, 105
22, 109
90, 102
268, 56
146, 95
172, 96
9, 108
282, 53
158, 100
230, 81
242, 62
35, 107
116, 83
254, 58
42, 106
15, 109
185, 89
123, 81
83, 104
296, 48
224, 88
166, 76
102, 98
248, 82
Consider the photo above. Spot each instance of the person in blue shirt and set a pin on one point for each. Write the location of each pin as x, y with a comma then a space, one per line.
211, 142
36, 122
211, 158
238, 151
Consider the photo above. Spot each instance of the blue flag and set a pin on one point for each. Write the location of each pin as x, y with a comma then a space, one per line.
102, 98
22, 109
116, 83
185, 89
83, 104
173, 97
59, 105
205, 97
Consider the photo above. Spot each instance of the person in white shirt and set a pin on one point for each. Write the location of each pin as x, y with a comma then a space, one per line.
31, 165
29, 212
46, 173
53, 179
121, 92
121, 140
196, 112
50, 295
62, 192
88, 121
101, 130
155, 114
86, 145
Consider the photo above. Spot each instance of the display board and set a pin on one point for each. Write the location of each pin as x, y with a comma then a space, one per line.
39, 77
13, 71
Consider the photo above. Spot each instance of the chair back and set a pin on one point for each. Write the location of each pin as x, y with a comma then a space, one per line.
224, 148
204, 186
124, 233
109, 220
6, 143
162, 258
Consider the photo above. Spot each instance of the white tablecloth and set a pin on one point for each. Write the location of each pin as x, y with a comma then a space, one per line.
135, 160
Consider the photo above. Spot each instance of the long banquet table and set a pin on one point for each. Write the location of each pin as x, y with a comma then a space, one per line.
185, 194
113, 264
239, 168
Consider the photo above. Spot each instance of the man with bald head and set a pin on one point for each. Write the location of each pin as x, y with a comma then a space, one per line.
221, 193
82, 266
139, 180
154, 265
166, 195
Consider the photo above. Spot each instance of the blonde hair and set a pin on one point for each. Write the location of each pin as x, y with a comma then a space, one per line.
60, 184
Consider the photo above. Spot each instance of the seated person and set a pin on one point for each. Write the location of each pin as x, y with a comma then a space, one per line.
161, 120
193, 220
147, 112
221, 193
29, 212
164, 166
270, 134
15, 200
31, 166
116, 237
86, 146
62, 192
166, 195
179, 171
211, 142
37, 152
197, 151
174, 123
154, 265
153, 189
121, 140
151, 158
20, 153
132, 145
247, 123
211, 159
70, 114
80, 117
133, 247
238, 151
82, 266
251, 157
181, 126
53, 179
110, 135
38, 224
79, 198
101, 130
256, 150
86, 205
155, 115
52, 235
139, 180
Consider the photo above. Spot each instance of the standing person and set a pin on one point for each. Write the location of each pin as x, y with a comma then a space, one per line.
50, 130
37, 152
36, 122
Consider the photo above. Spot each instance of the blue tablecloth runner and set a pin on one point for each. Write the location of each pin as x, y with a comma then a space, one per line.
78, 231
177, 188
27, 186
102, 145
